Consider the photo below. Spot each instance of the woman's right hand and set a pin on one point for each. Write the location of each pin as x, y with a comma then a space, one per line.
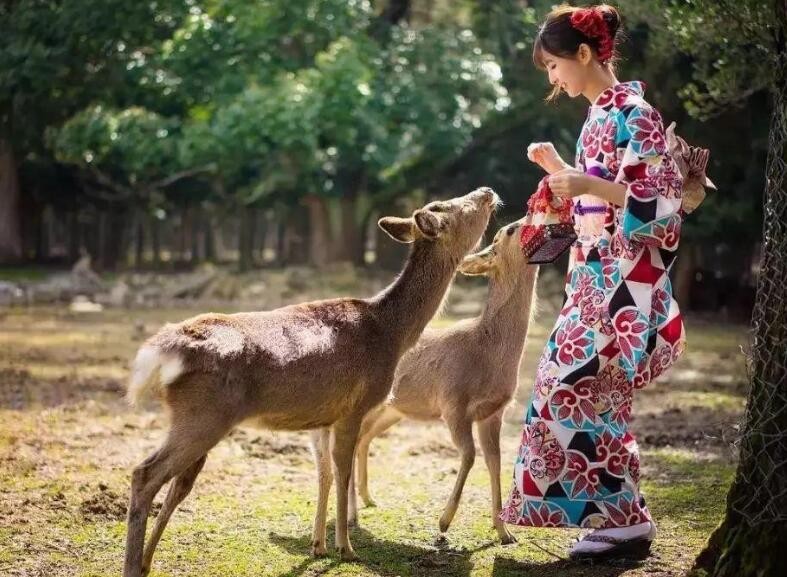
545, 156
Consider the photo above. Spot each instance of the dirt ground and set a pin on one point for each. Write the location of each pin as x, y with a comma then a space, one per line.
68, 442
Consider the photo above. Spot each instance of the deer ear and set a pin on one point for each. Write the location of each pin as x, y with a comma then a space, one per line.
399, 229
479, 263
427, 223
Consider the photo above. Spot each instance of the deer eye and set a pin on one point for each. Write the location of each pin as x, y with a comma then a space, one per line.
511, 230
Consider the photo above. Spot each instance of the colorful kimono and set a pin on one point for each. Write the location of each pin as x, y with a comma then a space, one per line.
578, 463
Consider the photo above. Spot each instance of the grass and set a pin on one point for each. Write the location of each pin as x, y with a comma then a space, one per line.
68, 443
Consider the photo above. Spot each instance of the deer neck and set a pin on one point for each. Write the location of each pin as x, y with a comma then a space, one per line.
509, 304
410, 302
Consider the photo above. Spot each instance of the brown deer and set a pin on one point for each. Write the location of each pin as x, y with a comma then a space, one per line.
466, 373
322, 364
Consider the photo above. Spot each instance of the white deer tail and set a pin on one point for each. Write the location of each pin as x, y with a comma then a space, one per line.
152, 371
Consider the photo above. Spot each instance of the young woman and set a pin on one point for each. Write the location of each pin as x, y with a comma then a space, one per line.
578, 463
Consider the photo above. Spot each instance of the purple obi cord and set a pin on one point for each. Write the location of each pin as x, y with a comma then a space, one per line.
583, 210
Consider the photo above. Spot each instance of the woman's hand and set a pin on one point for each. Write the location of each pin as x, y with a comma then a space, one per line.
570, 182
545, 156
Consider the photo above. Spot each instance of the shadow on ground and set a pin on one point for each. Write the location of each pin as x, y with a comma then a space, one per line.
379, 555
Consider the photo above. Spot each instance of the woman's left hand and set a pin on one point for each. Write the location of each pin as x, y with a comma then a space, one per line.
569, 182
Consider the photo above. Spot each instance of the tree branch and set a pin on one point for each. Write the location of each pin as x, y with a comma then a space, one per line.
122, 192
172, 179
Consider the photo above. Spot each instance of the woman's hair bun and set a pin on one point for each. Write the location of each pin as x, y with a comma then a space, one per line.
611, 18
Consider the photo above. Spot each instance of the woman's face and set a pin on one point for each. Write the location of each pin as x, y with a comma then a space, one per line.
569, 74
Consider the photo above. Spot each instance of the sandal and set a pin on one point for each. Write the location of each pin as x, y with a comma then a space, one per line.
636, 548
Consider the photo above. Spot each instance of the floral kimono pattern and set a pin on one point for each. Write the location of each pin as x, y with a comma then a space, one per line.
619, 328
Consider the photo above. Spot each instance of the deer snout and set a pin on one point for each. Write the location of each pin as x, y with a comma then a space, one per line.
486, 195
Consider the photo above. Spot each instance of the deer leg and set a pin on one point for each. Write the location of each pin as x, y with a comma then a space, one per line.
181, 486
489, 437
321, 445
462, 435
187, 443
345, 438
352, 497
378, 422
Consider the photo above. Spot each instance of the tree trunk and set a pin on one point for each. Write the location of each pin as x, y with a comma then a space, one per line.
294, 236
99, 253
42, 237
155, 241
368, 230
210, 239
10, 231
111, 238
197, 241
184, 248
74, 235
684, 274
262, 235
319, 237
246, 239
282, 236
139, 241
752, 539
350, 234
217, 234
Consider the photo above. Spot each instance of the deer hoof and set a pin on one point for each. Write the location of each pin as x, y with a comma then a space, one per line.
318, 549
347, 554
352, 522
369, 502
507, 539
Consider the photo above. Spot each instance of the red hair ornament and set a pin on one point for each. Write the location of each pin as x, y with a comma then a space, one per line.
590, 21
551, 229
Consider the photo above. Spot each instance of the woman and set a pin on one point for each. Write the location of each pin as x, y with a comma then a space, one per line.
578, 463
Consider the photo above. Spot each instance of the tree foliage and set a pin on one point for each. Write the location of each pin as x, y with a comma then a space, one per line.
264, 105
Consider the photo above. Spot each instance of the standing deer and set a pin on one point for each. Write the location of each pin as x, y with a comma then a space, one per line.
322, 364
466, 373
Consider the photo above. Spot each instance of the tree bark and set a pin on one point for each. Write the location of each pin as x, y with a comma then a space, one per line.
752, 539
197, 244
10, 231
42, 237
350, 234
155, 240
113, 230
139, 241
74, 235
185, 236
684, 274
246, 239
367, 230
319, 231
210, 240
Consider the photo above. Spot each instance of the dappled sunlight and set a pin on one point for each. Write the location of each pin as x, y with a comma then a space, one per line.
67, 449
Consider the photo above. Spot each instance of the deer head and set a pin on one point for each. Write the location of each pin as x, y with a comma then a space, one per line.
453, 225
503, 258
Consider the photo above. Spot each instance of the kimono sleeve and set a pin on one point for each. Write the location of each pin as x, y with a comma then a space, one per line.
652, 208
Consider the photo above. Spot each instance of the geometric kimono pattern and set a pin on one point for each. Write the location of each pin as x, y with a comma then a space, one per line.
619, 328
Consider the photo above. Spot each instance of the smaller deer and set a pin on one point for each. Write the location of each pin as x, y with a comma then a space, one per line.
466, 373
